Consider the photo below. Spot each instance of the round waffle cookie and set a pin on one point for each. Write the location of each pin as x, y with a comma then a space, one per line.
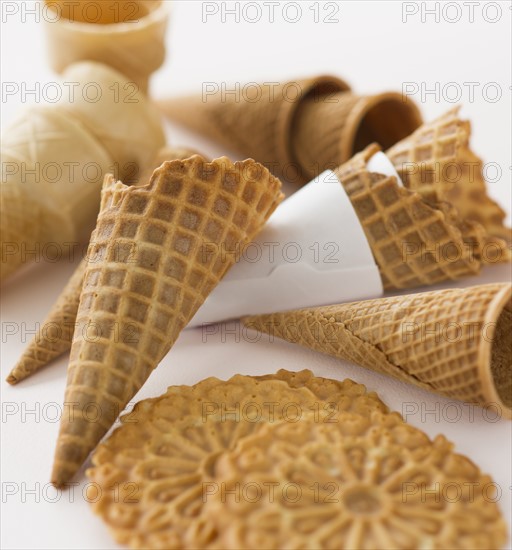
362, 483
148, 479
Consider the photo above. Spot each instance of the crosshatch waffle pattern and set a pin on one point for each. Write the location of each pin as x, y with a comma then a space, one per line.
48, 345
375, 483
259, 128
155, 255
446, 341
413, 242
167, 445
56, 331
437, 162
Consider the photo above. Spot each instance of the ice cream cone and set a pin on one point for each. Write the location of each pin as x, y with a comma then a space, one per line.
453, 342
159, 251
54, 160
124, 34
47, 192
436, 160
327, 133
55, 335
256, 121
121, 119
414, 243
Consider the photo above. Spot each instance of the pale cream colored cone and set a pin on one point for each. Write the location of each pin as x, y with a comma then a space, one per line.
55, 335
127, 35
257, 121
44, 197
453, 342
160, 250
54, 159
436, 160
327, 133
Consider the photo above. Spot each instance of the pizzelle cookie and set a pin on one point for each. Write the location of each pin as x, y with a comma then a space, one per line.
371, 484
148, 477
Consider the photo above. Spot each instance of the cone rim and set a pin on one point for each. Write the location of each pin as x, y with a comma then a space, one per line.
492, 315
361, 109
157, 15
286, 117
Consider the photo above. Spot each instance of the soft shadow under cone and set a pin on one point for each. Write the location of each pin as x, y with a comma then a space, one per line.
453, 342
159, 251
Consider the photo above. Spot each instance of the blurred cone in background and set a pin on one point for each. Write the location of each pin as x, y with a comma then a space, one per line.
56, 332
298, 128
453, 342
54, 159
127, 35
159, 251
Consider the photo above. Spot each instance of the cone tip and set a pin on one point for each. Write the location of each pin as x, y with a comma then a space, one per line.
12, 379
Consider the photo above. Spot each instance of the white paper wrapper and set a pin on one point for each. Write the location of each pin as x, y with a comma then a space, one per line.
382, 165
312, 252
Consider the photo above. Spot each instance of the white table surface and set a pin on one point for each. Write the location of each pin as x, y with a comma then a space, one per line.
374, 49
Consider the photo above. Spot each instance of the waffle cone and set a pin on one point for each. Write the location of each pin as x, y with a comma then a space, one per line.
436, 160
255, 121
453, 342
327, 133
128, 36
414, 243
159, 251
56, 333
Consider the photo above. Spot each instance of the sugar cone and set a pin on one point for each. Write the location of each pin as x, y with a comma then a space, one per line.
44, 197
122, 119
453, 342
327, 133
126, 35
414, 243
256, 121
160, 250
55, 334
54, 159
436, 160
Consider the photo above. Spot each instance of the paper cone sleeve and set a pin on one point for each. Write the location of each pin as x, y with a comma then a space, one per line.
55, 335
327, 133
257, 120
436, 160
453, 342
126, 35
160, 250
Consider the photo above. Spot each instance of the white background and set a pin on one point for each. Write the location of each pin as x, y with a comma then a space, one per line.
374, 47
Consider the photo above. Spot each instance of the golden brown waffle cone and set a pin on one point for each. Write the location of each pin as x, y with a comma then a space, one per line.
160, 250
453, 342
436, 161
257, 121
414, 243
55, 335
124, 34
327, 133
